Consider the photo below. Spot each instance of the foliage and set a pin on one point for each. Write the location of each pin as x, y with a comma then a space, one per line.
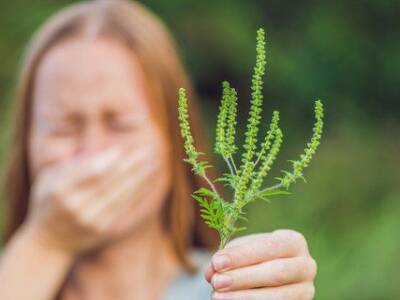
245, 181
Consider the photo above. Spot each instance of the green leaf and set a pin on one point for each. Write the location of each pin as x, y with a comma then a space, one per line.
240, 229
243, 218
205, 192
274, 193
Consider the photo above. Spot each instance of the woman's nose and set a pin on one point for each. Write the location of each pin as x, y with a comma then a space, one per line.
93, 139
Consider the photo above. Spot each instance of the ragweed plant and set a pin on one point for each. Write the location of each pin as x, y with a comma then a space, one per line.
256, 161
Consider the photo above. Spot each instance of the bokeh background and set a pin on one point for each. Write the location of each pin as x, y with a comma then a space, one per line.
345, 52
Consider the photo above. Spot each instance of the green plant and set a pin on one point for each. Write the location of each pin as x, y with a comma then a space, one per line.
256, 161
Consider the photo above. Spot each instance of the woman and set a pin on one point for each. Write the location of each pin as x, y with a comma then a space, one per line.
98, 198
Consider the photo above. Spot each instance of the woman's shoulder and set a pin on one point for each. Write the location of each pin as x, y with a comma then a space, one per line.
194, 284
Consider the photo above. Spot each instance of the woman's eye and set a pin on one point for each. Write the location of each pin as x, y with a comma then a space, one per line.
64, 129
125, 124
122, 125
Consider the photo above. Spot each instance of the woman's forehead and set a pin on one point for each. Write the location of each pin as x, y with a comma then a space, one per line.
90, 70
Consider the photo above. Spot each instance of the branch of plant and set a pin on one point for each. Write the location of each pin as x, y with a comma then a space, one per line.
229, 166
210, 184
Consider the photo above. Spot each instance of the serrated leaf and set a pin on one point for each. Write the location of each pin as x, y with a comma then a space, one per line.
274, 193
206, 217
202, 201
226, 178
240, 229
243, 218
205, 192
264, 199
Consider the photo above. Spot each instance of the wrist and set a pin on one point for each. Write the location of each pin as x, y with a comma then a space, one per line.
37, 241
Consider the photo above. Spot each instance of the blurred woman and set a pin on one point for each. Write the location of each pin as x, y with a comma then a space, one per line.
97, 196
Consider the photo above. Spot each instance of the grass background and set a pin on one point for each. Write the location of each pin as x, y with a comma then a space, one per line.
345, 52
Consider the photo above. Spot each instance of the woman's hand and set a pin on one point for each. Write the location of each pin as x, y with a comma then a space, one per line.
273, 266
75, 204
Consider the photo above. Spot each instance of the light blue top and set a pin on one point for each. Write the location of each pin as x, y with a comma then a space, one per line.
192, 286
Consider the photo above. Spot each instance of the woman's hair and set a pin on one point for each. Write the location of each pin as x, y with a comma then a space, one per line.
147, 37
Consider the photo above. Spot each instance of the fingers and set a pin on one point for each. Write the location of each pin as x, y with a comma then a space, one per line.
208, 274
273, 273
129, 187
79, 170
262, 248
123, 202
298, 291
245, 239
126, 175
92, 210
130, 167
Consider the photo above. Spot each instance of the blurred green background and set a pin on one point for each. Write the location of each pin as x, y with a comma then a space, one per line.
345, 52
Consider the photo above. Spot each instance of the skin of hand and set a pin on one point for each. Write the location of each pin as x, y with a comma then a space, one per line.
77, 204
273, 266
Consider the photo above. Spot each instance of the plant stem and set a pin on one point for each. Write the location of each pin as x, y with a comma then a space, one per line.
258, 158
233, 163
211, 185
271, 188
229, 165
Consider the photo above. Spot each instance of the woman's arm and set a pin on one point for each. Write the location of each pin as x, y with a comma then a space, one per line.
29, 269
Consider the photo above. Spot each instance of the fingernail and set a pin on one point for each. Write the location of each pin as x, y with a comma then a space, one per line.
221, 262
220, 281
221, 296
209, 272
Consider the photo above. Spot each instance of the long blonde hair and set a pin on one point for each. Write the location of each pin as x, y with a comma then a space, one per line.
130, 23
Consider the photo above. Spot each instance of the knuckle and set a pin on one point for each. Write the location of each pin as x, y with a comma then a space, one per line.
298, 238
312, 267
269, 240
265, 237
308, 291
307, 267
293, 237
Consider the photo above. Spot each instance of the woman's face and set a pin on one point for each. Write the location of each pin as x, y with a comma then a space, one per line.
90, 95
